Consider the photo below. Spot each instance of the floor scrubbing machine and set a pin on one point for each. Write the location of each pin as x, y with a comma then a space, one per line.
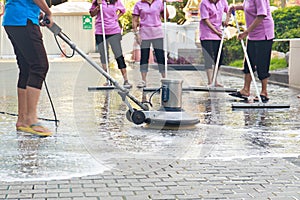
169, 116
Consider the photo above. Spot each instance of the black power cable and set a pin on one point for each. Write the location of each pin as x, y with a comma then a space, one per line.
150, 98
67, 56
53, 109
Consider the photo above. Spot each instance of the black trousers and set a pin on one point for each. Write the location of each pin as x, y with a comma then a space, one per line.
30, 53
259, 53
210, 50
159, 54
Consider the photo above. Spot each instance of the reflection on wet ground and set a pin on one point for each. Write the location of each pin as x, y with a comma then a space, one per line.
94, 132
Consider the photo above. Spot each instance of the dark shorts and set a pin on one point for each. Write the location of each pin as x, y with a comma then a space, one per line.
158, 47
210, 49
259, 53
30, 53
115, 43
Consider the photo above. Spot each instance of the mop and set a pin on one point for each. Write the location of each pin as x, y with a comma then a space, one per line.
109, 86
165, 38
213, 87
260, 104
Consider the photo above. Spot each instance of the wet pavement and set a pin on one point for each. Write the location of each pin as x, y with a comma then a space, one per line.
96, 153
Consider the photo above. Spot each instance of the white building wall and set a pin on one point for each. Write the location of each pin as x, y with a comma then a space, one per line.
69, 17
294, 63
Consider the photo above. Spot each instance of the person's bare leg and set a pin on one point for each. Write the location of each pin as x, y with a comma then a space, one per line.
247, 83
209, 73
124, 74
33, 95
144, 76
22, 108
264, 84
217, 84
104, 67
163, 75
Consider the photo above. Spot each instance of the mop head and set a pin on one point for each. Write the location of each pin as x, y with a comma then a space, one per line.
258, 106
196, 89
95, 88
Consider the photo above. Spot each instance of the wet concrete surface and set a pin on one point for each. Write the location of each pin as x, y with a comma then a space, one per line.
93, 132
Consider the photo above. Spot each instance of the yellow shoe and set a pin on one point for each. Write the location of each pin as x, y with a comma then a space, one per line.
42, 131
23, 128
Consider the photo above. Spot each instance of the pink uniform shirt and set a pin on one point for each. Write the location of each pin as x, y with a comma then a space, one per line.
111, 24
214, 13
150, 20
253, 8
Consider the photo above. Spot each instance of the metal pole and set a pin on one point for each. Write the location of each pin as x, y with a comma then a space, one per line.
104, 39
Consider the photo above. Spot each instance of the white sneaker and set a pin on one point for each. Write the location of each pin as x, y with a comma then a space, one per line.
141, 84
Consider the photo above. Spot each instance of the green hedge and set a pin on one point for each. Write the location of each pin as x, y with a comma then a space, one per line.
232, 50
287, 25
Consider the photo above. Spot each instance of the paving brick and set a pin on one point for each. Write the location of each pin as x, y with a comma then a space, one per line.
46, 186
131, 188
96, 193
137, 197
163, 197
156, 188
19, 196
188, 197
45, 195
111, 198
85, 198
122, 193
58, 190
21, 187
71, 194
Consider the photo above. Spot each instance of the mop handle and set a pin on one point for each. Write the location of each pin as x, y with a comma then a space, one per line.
104, 38
247, 58
165, 39
216, 69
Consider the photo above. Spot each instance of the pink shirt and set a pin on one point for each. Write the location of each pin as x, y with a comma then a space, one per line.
214, 13
111, 24
150, 20
253, 8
